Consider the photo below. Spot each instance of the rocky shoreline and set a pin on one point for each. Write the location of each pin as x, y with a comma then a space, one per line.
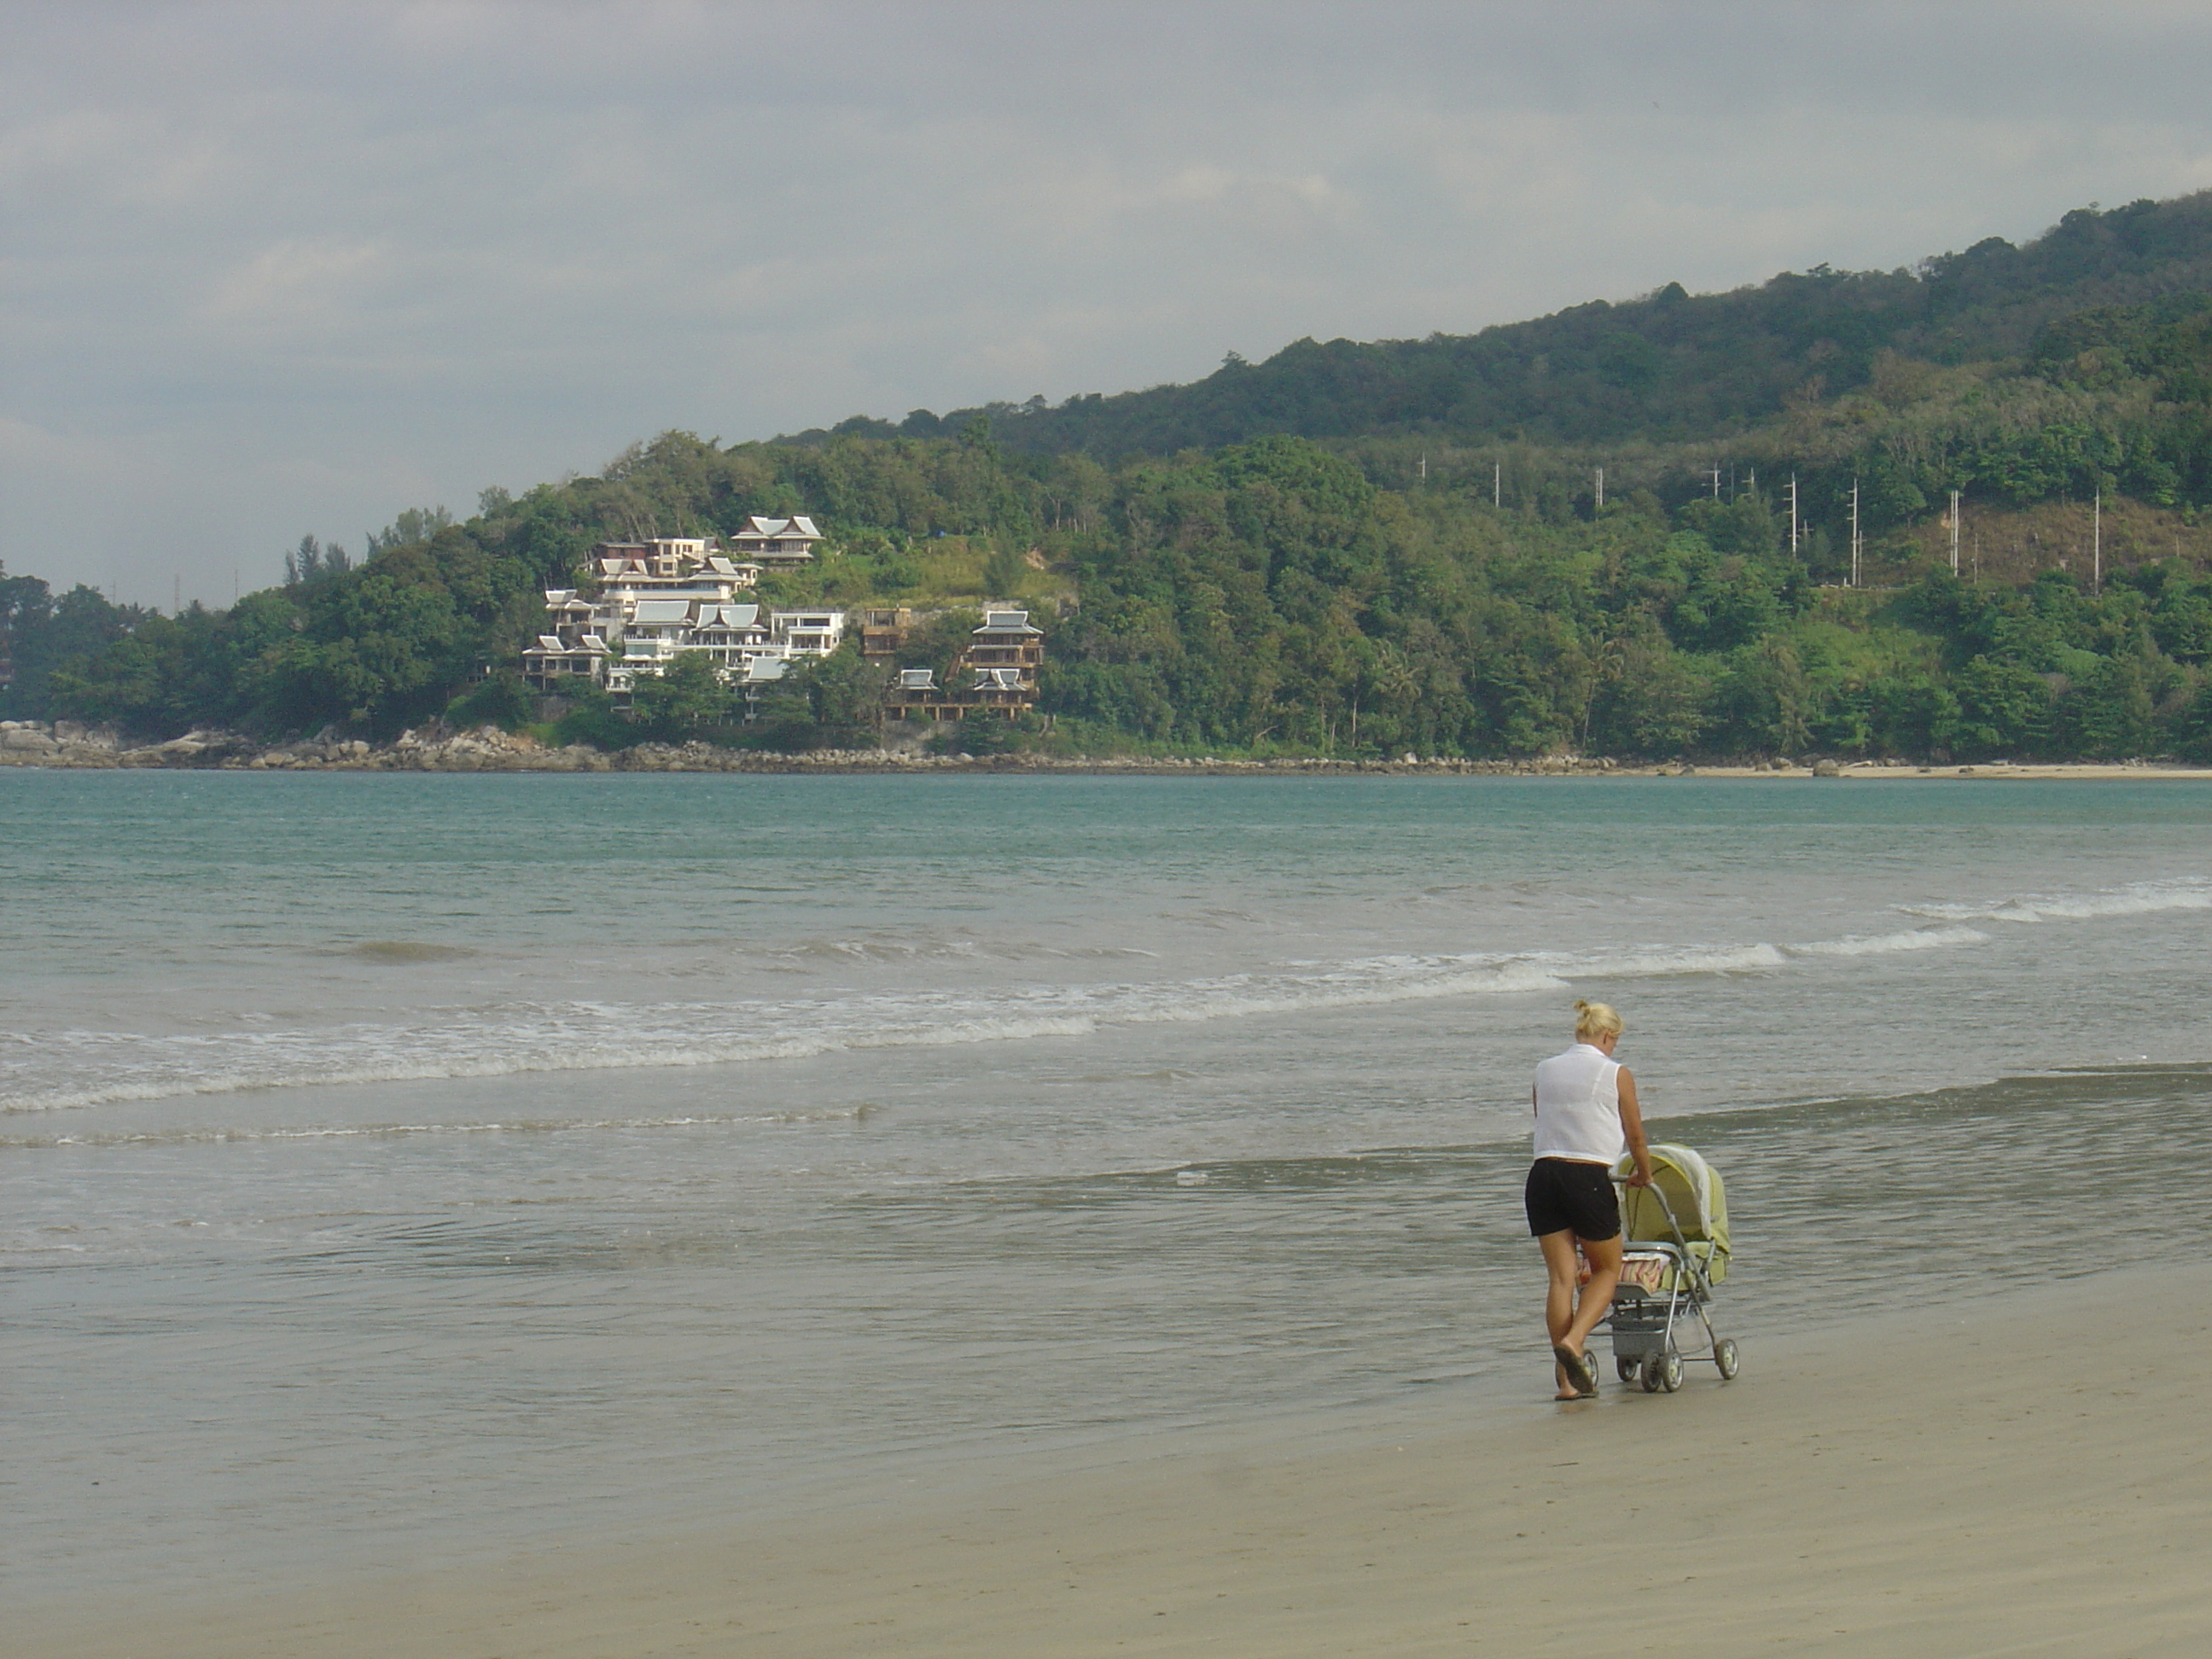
69, 745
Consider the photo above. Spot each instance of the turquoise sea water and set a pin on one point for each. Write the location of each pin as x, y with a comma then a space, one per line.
396, 1164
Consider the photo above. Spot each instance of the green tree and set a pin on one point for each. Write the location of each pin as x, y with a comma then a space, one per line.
39, 633
592, 719
2110, 715
1657, 706
684, 700
500, 700
2004, 710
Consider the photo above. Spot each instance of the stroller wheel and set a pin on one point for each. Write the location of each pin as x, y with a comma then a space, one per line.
1624, 1368
1647, 1375
1670, 1370
1724, 1356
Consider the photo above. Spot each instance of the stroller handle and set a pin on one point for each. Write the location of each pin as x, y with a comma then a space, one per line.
1665, 1208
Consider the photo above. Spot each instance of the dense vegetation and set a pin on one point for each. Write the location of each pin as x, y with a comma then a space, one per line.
39, 632
1670, 367
1374, 549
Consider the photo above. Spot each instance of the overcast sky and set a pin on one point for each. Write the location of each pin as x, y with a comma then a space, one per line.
269, 270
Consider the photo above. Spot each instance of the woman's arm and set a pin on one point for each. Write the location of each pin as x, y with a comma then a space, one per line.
1632, 1125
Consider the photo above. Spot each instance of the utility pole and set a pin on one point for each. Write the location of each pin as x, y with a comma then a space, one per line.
1425, 466
1793, 512
1954, 533
1600, 489
1717, 484
2097, 544
1854, 532
1497, 484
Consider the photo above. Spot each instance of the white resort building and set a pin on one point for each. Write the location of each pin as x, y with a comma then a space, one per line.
785, 543
654, 601
651, 603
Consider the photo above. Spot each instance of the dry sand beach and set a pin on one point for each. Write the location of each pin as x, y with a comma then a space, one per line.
2021, 1475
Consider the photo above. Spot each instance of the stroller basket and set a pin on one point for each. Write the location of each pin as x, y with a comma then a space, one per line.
1674, 1250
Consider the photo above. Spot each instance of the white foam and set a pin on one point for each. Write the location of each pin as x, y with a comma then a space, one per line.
2138, 898
92, 1068
1721, 959
1875, 944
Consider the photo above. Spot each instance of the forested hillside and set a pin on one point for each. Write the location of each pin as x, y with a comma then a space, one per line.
1669, 367
1372, 549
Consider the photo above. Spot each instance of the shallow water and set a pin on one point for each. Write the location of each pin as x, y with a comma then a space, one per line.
397, 1165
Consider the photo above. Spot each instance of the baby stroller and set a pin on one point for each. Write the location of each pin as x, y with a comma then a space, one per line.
1674, 1250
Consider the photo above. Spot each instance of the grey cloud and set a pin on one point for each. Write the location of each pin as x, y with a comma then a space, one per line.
272, 269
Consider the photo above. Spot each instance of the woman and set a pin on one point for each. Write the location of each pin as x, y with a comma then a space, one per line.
1586, 1116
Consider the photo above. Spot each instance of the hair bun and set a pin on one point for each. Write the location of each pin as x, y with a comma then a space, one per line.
1595, 1019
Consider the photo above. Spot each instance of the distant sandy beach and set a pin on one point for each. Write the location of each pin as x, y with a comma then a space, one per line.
2082, 771
2021, 1475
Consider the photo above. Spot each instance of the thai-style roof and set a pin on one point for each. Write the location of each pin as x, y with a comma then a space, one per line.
757, 527
1007, 622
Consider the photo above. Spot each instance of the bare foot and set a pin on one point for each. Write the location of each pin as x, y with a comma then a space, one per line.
1574, 1369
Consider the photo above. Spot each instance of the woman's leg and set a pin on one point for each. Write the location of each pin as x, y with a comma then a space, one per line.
1604, 1257
1561, 1267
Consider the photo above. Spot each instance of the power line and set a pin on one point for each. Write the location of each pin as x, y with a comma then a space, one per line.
2097, 544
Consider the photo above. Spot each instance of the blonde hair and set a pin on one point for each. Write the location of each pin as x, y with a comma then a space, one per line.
1595, 1019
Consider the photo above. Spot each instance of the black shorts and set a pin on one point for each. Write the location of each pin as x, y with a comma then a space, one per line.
1564, 1195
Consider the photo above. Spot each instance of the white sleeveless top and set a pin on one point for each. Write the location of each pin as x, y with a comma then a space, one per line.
1578, 1106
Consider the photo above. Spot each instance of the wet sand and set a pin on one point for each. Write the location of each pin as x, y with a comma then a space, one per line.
2025, 1475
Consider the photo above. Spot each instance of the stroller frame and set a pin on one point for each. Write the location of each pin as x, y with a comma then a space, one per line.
1643, 1321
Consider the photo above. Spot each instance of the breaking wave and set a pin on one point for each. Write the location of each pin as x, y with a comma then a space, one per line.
73, 1069
1877, 944
398, 1131
2136, 899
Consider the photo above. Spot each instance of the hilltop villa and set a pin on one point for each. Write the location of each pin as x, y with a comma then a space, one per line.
657, 599
998, 665
785, 544
652, 602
